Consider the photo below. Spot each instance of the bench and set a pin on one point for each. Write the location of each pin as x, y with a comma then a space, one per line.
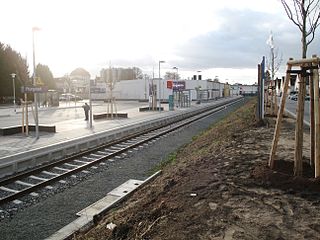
146, 109
109, 115
5, 131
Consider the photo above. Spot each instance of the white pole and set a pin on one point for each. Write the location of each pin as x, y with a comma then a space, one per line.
90, 104
34, 83
13, 75
159, 89
160, 86
198, 87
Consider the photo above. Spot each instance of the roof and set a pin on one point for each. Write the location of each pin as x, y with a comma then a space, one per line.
80, 72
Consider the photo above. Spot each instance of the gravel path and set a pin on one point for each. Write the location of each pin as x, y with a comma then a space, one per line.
51, 211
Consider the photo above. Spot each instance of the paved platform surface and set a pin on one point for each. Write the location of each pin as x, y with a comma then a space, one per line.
70, 124
69, 121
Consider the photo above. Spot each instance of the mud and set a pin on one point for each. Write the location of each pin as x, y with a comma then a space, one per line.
219, 187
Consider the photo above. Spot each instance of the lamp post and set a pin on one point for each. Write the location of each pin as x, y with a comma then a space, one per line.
198, 87
13, 75
90, 105
176, 77
34, 83
160, 86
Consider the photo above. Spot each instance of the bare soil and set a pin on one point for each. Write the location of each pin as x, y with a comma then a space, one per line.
219, 187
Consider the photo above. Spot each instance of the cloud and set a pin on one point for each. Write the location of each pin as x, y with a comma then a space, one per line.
240, 41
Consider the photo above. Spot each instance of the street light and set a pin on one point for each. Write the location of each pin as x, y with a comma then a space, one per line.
160, 86
198, 87
13, 75
34, 83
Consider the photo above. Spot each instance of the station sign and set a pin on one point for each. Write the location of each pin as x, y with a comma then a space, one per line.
34, 89
176, 85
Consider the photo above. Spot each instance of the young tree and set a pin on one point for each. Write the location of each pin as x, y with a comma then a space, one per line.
275, 59
172, 75
46, 76
137, 72
305, 15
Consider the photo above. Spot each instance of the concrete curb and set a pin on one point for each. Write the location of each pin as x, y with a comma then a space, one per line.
294, 116
91, 214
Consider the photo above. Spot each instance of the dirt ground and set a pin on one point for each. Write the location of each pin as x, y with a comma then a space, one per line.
219, 187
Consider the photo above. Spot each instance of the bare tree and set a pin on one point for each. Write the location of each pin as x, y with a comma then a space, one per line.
172, 75
305, 14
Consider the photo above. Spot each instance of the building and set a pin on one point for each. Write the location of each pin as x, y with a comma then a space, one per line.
140, 89
79, 81
243, 89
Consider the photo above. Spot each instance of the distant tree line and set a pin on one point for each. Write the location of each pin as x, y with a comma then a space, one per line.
12, 62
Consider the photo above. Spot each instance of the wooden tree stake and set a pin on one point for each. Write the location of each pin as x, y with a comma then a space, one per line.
279, 118
316, 121
299, 128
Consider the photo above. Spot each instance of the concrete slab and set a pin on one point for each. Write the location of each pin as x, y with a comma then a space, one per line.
126, 188
98, 206
87, 215
111, 198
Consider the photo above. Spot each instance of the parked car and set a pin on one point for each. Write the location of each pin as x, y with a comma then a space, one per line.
69, 97
292, 94
294, 97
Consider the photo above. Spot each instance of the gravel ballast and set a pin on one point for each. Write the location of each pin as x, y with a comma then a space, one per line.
42, 216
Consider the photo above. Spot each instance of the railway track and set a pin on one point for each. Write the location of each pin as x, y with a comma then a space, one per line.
29, 182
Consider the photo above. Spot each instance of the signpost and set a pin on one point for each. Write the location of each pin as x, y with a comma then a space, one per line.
34, 89
25, 90
176, 85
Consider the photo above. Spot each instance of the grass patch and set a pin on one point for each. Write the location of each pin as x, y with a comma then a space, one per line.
171, 159
216, 134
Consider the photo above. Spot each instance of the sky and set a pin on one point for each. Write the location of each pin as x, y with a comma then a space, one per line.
224, 39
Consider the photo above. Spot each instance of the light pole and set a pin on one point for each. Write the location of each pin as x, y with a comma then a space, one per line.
160, 86
198, 87
34, 83
90, 105
13, 75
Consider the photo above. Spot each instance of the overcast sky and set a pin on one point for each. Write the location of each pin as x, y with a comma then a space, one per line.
219, 38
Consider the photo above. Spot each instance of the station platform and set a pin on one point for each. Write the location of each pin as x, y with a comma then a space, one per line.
69, 122
71, 127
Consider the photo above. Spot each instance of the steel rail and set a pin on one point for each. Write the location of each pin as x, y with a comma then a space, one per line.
146, 136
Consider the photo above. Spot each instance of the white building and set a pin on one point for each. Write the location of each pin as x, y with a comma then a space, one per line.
140, 89
246, 90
